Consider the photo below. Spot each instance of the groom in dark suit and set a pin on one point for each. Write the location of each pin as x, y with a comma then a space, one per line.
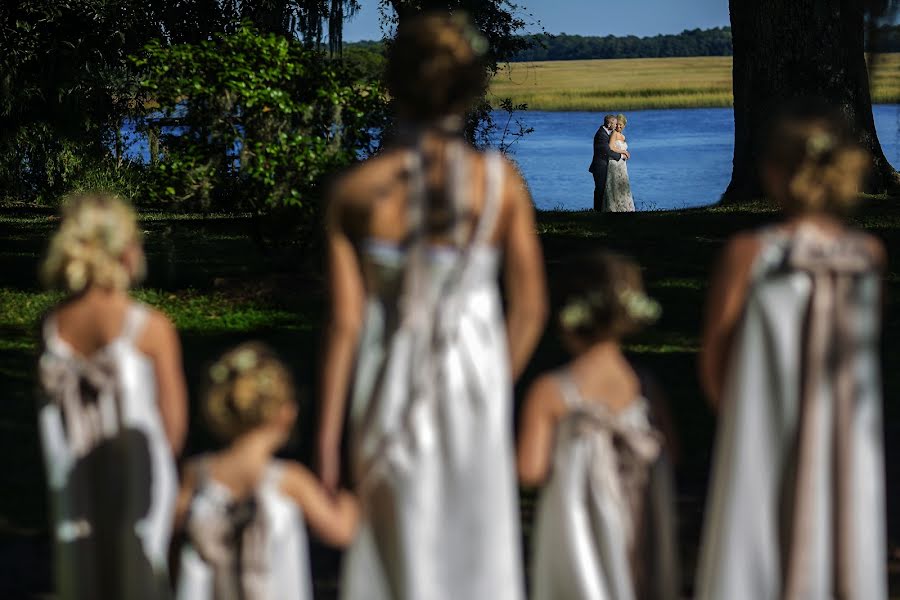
602, 155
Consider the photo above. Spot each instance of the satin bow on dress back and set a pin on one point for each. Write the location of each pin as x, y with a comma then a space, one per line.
250, 548
109, 464
796, 507
604, 527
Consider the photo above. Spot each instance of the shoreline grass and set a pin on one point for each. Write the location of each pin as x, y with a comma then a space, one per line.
646, 83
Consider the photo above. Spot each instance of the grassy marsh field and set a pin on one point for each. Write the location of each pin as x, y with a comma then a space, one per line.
646, 83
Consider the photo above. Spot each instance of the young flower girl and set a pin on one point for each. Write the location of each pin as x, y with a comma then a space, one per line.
790, 358
243, 511
113, 409
589, 434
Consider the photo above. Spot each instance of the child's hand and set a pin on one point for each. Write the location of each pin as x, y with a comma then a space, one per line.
332, 516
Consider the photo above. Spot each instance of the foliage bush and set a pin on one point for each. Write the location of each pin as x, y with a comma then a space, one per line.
254, 122
65, 86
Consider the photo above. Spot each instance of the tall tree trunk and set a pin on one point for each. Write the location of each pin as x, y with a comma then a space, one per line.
798, 48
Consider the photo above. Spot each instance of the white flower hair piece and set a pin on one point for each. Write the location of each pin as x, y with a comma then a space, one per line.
477, 41
640, 306
575, 314
218, 373
579, 312
819, 144
245, 360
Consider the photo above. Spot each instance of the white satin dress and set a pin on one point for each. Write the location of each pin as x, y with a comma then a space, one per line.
605, 527
796, 508
252, 549
109, 467
430, 417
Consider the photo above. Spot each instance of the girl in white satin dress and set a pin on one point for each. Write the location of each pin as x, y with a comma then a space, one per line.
113, 410
796, 507
244, 513
605, 519
417, 237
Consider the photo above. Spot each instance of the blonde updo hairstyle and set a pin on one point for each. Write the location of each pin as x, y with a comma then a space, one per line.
622, 119
820, 162
246, 388
89, 247
601, 296
435, 66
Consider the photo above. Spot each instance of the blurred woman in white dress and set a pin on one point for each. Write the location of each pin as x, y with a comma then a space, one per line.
417, 237
790, 359
618, 196
113, 412
592, 435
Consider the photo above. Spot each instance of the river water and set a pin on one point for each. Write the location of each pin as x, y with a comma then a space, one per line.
679, 158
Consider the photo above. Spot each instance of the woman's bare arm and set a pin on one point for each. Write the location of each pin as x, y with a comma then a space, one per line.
332, 518
525, 279
342, 336
724, 306
543, 408
160, 342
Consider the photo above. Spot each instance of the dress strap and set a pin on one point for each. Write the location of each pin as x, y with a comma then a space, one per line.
455, 188
272, 477
135, 318
202, 471
569, 389
493, 196
415, 211
50, 331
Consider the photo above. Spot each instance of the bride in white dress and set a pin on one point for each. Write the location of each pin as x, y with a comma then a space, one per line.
419, 342
618, 196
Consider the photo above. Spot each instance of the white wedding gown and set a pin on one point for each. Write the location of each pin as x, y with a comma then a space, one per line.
430, 417
617, 197
796, 507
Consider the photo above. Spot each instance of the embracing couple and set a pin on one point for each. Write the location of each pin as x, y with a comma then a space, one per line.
612, 190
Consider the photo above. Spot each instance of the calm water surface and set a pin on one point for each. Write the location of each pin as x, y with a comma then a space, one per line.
679, 158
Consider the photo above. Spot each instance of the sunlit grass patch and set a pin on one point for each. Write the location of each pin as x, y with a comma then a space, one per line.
190, 310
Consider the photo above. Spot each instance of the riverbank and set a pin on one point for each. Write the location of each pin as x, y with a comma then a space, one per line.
220, 289
645, 83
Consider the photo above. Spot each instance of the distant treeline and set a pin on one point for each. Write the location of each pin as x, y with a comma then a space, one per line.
694, 42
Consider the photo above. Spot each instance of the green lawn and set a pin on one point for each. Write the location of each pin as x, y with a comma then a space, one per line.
642, 83
219, 288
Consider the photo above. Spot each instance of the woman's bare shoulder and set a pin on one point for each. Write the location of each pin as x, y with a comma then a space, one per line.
363, 181
875, 247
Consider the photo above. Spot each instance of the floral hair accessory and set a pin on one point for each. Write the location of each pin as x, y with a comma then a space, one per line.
245, 360
575, 314
579, 312
218, 373
640, 306
473, 36
819, 144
